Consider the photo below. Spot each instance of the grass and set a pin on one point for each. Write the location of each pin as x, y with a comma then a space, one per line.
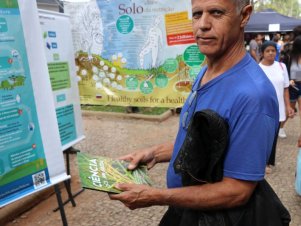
120, 109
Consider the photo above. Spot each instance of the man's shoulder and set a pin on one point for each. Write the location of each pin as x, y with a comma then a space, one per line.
253, 82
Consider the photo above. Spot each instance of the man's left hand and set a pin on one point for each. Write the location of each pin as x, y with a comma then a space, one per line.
134, 196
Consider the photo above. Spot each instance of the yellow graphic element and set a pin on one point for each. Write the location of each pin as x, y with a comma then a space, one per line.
178, 23
118, 60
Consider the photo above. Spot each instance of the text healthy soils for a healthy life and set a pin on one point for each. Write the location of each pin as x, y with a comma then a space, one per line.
102, 173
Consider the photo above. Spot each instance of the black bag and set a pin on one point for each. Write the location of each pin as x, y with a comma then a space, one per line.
201, 156
200, 160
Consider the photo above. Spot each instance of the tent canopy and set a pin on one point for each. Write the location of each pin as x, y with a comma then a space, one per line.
270, 21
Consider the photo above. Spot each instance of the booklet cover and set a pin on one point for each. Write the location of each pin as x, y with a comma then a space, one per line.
102, 173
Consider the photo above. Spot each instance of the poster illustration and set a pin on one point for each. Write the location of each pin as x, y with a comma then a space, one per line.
134, 53
22, 158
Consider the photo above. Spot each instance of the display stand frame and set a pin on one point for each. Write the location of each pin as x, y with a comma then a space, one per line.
67, 183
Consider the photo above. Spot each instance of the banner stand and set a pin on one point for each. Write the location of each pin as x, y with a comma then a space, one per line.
67, 183
60, 203
57, 37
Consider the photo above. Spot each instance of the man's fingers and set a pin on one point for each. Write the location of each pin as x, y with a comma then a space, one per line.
151, 164
134, 162
126, 157
133, 159
123, 187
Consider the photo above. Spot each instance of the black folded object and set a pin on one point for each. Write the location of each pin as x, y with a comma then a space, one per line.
200, 158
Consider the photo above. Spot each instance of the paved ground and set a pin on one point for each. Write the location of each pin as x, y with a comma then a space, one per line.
110, 136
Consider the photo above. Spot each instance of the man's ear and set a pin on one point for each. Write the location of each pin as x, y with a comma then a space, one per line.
246, 14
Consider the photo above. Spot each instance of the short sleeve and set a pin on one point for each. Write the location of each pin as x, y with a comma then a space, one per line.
250, 145
285, 75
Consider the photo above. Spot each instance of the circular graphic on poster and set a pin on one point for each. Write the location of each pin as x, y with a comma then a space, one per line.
131, 83
125, 24
170, 65
192, 56
146, 87
193, 72
161, 80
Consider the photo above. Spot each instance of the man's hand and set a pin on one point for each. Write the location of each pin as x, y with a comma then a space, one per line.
134, 196
149, 156
228, 193
145, 156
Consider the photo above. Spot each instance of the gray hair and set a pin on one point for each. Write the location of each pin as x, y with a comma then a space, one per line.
240, 4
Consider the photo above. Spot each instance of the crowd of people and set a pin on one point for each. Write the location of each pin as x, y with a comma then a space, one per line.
280, 59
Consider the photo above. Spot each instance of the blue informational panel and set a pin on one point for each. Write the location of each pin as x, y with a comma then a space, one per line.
30, 151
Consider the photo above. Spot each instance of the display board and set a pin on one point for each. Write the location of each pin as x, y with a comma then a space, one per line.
59, 51
30, 150
134, 52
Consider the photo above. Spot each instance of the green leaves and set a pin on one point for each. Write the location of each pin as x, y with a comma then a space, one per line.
288, 7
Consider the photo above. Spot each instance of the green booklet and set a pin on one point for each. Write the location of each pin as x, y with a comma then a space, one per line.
102, 173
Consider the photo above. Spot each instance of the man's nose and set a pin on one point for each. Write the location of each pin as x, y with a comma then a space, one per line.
204, 22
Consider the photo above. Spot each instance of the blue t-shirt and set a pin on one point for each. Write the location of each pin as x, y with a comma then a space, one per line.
247, 100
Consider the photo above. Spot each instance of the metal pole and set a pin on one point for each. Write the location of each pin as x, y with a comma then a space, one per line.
60, 203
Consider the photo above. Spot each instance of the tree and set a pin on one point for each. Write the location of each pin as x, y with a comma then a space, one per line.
289, 7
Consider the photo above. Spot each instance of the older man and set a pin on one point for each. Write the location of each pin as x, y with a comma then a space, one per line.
234, 86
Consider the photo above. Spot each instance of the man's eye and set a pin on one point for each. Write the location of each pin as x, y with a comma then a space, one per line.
216, 12
196, 15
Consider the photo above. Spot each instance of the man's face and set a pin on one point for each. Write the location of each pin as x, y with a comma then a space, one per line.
216, 25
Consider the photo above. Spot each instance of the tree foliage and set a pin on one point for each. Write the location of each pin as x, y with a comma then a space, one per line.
288, 7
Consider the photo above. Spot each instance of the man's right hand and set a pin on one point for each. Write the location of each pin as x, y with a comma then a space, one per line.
149, 156
145, 156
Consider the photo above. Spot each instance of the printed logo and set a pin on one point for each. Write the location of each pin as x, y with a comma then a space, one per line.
54, 45
51, 34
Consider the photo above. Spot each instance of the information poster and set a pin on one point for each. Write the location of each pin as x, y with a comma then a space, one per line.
134, 52
59, 51
30, 152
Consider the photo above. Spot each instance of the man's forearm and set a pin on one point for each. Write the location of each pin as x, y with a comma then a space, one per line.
163, 152
226, 194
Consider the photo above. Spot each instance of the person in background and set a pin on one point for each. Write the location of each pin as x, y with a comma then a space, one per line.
280, 41
285, 57
286, 39
254, 47
287, 47
278, 75
232, 85
276, 39
295, 74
